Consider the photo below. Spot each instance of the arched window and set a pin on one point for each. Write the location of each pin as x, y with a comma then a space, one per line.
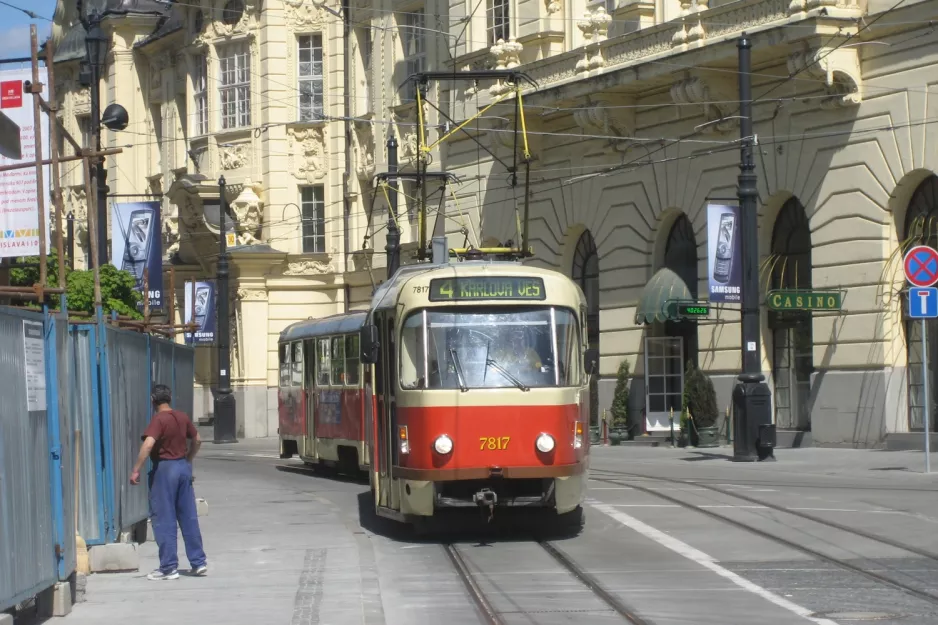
586, 274
921, 228
792, 331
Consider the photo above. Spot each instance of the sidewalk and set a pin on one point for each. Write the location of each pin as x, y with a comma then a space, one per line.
277, 553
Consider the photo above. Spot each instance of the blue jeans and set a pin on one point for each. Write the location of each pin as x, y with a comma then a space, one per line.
172, 499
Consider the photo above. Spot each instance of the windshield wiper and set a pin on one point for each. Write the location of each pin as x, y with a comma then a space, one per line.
460, 379
501, 369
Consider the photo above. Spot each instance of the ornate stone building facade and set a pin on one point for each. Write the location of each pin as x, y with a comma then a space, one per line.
632, 129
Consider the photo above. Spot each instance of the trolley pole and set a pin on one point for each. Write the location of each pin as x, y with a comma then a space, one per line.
751, 397
393, 247
225, 426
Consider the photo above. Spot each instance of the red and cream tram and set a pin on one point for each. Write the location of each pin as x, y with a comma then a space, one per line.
473, 390
320, 399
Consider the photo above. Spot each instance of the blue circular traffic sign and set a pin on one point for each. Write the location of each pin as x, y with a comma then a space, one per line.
921, 266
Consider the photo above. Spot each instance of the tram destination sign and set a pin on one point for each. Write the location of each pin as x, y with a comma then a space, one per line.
783, 300
486, 287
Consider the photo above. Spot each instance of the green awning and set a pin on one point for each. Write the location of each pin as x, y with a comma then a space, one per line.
663, 288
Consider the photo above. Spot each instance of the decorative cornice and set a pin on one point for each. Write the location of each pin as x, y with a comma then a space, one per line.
308, 268
838, 67
252, 295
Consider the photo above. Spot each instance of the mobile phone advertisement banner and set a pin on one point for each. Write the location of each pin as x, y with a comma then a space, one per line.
19, 199
724, 254
202, 305
136, 245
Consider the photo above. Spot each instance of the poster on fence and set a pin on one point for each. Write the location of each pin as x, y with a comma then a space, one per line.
35, 359
724, 257
136, 245
200, 308
19, 196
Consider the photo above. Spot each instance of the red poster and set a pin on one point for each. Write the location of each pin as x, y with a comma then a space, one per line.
11, 94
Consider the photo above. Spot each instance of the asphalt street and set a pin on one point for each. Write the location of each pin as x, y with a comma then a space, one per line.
672, 536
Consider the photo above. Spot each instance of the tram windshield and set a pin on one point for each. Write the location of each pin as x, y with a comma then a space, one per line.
490, 348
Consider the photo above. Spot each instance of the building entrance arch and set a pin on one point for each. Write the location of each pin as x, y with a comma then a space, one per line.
585, 272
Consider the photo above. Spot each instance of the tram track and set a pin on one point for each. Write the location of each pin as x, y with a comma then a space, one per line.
491, 616
838, 562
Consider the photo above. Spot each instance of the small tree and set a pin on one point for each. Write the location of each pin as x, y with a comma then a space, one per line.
620, 399
117, 286
700, 397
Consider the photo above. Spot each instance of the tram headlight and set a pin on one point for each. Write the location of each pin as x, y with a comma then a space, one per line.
443, 444
578, 435
545, 443
405, 441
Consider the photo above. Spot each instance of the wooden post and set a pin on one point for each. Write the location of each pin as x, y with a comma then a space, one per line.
36, 89
56, 182
92, 230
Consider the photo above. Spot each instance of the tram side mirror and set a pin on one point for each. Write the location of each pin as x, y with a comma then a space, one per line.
591, 361
370, 344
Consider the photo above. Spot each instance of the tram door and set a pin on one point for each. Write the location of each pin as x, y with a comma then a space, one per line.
309, 395
386, 439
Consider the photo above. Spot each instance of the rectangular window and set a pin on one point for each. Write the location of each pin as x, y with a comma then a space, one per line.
497, 25
413, 39
235, 91
84, 128
352, 351
200, 96
324, 362
338, 360
314, 219
284, 365
298, 364
309, 73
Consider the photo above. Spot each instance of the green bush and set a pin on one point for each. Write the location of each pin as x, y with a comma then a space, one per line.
117, 286
700, 397
620, 398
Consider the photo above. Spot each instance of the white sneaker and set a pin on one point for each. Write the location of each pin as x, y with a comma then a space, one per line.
158, 575
200, 571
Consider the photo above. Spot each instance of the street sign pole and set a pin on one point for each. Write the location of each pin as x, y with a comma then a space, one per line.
927, 420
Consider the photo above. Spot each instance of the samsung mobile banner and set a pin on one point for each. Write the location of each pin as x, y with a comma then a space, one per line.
136, 245
201, 304
19, 199
724, 258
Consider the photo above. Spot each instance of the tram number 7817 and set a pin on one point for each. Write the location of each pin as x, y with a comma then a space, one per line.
493, 443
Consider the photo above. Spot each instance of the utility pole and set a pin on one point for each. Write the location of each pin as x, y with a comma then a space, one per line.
96, 45
225, 426
754, 435
393, 247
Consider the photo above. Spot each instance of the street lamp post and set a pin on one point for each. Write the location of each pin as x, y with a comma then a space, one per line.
96, 47
225, 425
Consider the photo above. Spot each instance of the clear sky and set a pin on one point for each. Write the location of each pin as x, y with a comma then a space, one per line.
14, 25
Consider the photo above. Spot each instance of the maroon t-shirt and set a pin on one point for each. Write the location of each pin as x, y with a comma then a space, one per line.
170, 428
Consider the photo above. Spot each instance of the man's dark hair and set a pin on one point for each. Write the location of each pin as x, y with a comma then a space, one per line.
161, 394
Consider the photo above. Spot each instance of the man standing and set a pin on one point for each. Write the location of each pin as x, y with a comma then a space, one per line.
172, 499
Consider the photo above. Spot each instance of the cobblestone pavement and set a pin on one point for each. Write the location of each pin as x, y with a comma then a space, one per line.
666, 532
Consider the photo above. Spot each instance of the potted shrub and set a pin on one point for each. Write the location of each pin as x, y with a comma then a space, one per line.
702, 408
619, 429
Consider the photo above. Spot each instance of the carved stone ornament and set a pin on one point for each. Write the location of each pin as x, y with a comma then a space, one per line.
605, 118
81, 100
691, 27
553, 6
306, 149
233, 157
76, 203
248, 210
308, 268
507, 56
364, 150
171, 230
595, 29
227, 26
838, 67
252, 295
715, 97
304, 15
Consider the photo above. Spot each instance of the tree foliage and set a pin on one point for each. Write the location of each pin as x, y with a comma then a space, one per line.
620, 397
700, 397
117, 286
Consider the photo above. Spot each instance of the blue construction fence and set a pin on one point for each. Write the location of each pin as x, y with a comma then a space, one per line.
74, 402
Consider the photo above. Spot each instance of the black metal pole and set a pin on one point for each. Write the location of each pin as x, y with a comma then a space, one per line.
393, 247
70, 239
752, 398
225, 425
100, 174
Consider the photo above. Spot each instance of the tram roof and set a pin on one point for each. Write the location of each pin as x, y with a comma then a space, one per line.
343, 323
388, 294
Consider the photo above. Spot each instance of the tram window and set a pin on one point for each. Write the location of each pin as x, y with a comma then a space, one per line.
298, 364
323, 361
568, 347
338, 360
284, 364
352, 352
412, 352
